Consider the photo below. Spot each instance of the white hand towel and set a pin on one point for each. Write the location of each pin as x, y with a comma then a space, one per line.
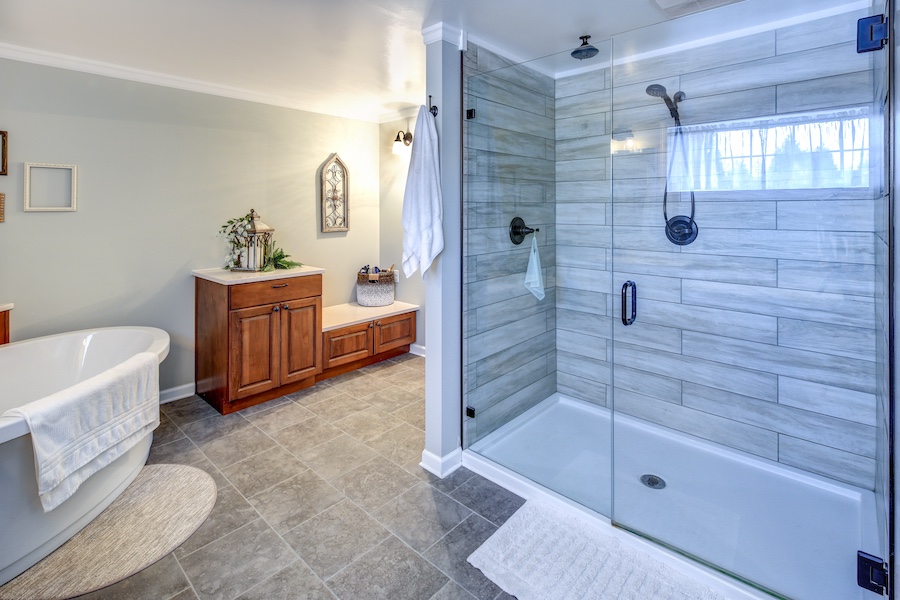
423, 235
534, 276
79, 430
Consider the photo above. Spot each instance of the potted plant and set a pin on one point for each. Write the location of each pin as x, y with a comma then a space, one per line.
246, 236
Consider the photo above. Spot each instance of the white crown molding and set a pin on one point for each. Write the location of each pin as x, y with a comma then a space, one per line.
442, 32
409, 112
83, 65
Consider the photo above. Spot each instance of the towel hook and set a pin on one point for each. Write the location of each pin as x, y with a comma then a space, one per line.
518, 230
432, 109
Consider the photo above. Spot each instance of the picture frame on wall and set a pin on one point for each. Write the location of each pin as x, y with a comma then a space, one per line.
50, 187
4, 163
335, 191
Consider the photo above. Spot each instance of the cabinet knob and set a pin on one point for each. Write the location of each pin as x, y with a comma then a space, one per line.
275, 309
378, 323
285, 307
371, 325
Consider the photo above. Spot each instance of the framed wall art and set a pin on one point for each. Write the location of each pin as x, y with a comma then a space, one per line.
335, 188
50, 188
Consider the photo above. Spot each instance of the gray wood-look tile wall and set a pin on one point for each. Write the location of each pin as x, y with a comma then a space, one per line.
509, 348
766, 334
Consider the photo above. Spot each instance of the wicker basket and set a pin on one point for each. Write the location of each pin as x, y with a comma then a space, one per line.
375, 289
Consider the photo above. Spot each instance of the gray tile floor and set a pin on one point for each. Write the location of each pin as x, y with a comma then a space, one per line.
321, 496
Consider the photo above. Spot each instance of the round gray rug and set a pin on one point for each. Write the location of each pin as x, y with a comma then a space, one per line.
161, 508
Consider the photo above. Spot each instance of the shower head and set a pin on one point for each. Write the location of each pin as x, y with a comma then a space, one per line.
585, 50
658, 91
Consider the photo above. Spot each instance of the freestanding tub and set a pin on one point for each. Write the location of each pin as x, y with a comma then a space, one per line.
36, 368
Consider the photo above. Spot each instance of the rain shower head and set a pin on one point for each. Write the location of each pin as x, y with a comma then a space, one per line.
658, 91
585, 50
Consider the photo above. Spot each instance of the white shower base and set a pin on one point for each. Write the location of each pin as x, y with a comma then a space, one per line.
781, 528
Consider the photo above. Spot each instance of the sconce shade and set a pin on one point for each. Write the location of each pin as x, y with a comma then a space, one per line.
402, 139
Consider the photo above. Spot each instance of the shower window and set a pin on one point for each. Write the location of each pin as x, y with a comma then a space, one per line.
797, 151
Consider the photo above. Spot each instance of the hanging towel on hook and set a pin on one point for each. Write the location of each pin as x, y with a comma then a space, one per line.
534, 277
423, 235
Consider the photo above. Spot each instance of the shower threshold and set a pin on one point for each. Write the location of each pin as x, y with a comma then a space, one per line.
762, 521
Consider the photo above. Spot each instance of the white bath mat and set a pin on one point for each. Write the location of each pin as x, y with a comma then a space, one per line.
542, 553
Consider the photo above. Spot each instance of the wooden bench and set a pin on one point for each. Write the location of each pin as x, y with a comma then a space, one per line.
355, 336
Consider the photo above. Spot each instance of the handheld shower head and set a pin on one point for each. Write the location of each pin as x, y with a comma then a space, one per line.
654, 89
658, 91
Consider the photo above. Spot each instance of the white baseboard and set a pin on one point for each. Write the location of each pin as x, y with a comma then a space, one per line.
417, 349
176, 393
441, 465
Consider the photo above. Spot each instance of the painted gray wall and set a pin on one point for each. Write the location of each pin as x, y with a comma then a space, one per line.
159, 170
392, 185
509, 351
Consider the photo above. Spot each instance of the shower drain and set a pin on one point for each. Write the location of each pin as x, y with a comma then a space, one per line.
653, 481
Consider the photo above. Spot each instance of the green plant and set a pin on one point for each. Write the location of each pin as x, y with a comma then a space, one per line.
235, 233
277, 259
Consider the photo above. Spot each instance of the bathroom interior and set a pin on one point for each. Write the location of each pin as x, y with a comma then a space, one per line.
710, 365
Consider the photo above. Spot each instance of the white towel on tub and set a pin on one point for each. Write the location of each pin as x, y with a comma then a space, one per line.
78, 431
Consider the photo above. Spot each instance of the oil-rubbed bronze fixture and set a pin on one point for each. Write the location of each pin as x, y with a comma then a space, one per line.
402, 139
518, 230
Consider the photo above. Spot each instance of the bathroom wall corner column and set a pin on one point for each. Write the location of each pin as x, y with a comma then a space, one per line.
443, 282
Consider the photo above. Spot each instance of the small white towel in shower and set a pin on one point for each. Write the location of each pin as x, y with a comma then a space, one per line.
78, 431
423, 234
534, 276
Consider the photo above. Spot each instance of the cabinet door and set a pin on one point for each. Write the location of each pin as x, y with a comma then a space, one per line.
254, 350
347, 344
396, 331
301, 326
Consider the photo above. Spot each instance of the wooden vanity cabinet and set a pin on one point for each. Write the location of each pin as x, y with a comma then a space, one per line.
4, 327
366, 343
257, 341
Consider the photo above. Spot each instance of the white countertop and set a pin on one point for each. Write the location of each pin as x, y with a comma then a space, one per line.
226, 277
342, 315
6, 307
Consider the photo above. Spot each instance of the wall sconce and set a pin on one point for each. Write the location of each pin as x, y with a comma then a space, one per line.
402, 139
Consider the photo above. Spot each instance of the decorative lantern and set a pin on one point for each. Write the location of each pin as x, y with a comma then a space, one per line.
258, 236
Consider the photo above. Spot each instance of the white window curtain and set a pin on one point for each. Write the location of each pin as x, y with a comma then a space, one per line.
827, 149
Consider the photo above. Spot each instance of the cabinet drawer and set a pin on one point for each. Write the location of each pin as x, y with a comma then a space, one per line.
246, 295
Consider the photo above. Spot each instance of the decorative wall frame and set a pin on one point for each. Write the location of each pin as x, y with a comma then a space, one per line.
4, 163
50, 188
335, 189
2, 208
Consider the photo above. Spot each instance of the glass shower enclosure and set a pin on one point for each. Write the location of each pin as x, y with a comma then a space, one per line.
707, 365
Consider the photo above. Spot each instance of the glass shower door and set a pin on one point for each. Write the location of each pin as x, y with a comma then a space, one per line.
746, 184
536, 366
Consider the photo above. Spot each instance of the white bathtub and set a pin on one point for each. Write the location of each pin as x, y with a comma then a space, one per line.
782, 528
30, 370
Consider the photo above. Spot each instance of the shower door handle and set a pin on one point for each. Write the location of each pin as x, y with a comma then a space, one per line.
625, 319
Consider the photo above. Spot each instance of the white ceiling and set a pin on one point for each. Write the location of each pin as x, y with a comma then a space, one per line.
362, 59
